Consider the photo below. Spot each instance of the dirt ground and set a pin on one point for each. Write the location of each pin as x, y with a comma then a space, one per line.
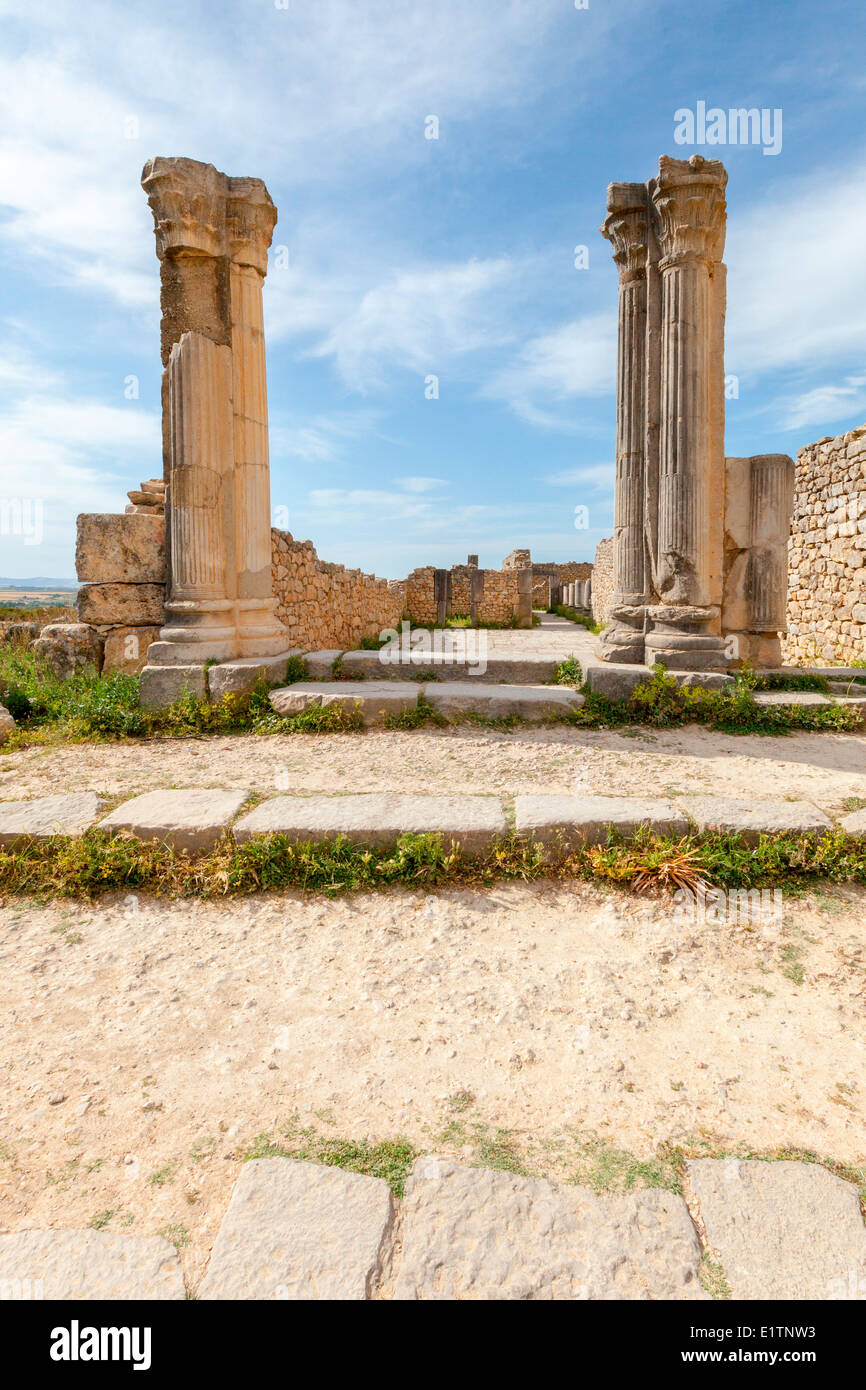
824, 768
146, 1044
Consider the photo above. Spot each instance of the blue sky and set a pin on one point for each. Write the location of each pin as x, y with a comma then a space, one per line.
409, 257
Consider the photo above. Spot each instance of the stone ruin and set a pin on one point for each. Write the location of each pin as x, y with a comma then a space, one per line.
212, 238
700, 540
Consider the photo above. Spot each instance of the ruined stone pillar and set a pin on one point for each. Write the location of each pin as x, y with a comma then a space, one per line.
690, 203
251, 217
212, 238
626, 228
759, 503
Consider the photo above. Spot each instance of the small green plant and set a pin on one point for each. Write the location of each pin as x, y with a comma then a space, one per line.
569, 672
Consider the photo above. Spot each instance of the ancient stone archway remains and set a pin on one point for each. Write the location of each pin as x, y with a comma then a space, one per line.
699, 540
212, 238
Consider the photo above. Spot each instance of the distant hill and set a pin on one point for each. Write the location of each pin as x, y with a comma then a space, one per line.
38, 581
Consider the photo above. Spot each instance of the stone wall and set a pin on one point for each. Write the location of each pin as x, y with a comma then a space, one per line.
602, 581
120, 565
325, 605
567, 573
497, 594
827, 553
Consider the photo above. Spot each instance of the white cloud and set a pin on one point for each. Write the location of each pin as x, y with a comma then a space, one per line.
420, 320
554, 370
420, 484
797, 275
599, 475
825, 403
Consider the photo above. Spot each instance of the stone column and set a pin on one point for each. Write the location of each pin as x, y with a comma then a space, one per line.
212, 237
251, 217
690, 203
626, 228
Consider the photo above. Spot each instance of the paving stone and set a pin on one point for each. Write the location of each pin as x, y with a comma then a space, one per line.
782, 1230
320, 664
88, 1265
496, 701
159, 686
791, 697
470, 1233
855, 823
586, 818
237, 677
68, 814
375, 698
297, 1230
377, 818
751, 819
192, 820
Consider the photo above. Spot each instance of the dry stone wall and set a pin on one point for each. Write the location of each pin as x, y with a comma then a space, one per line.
326, 605
827, 553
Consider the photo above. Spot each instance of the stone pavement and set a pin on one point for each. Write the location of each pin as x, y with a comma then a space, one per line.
296, 1230
194, 820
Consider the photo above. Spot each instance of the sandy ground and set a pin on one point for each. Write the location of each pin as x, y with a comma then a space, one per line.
823, 767
145, 1044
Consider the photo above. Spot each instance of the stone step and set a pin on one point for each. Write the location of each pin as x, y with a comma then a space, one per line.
531, 669
45, 816
378, 818
376, 699
790, 698
751, 819
189, 820
586, 819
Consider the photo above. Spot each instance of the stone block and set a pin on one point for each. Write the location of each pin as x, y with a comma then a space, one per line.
377, 818
498, 701
120, 549
790, 697
586, 818
159, 686
751, 819
192, 821
68, 813
132, 605
239, 676
66, 646
296, 1230
320, 664
375, 699
89, 1265
475, 1234
855, 824
782, 1230
126, 648
7, 724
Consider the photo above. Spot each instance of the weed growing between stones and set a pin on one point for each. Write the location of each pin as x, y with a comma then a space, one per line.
563, 611
390, 1159
98, 863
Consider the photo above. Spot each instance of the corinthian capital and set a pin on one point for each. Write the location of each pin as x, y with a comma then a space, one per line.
690, 200
626, 228
187, 200
251, 217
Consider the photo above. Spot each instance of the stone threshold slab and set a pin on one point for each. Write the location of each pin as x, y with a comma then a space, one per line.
377, 818
191, 821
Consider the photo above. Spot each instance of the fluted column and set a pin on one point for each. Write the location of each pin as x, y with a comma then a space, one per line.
626, 228
690, 205
251, 219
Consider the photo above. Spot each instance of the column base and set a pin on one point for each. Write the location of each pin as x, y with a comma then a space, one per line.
622, 641
680, 638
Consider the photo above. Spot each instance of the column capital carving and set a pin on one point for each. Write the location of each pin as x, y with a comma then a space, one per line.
187, 200
625, 227
251, 218
690, 200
